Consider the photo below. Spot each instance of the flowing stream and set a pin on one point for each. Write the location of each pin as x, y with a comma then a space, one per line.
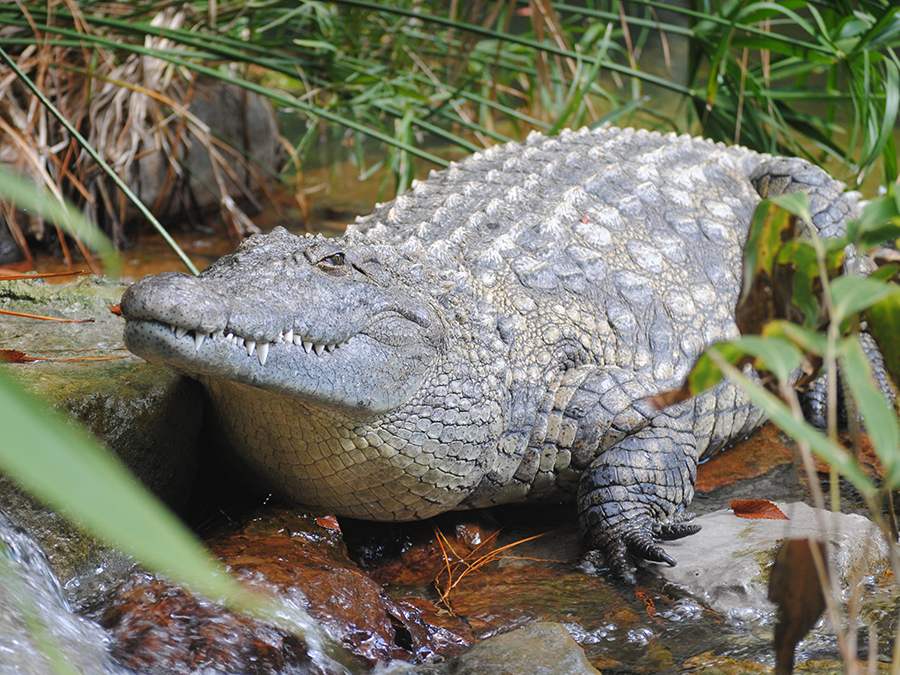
38, 632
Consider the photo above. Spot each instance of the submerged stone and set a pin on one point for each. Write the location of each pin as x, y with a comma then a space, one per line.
543, 648
159, 628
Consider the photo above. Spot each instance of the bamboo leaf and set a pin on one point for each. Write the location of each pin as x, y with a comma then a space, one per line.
808, 340
878, 223
884, 326
774, 354
796, 203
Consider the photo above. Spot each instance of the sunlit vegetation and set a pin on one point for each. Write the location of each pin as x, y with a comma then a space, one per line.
401, 83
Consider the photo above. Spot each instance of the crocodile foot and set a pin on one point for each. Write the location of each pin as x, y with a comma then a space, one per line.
636, 538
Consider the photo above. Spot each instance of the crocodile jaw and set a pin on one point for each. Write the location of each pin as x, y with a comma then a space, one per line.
268, 316
359, 374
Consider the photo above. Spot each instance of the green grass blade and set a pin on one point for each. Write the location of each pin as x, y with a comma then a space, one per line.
60, 464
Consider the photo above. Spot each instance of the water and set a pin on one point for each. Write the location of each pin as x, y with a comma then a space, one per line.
37, 627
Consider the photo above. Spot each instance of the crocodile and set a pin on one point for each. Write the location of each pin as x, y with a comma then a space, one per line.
492, 335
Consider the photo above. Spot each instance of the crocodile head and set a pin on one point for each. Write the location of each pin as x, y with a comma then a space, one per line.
318, 320
348, 375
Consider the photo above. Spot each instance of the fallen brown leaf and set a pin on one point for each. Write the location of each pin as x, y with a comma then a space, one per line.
328, 522
795, 586
757, 509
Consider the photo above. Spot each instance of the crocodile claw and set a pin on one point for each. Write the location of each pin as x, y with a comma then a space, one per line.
637, 539
677, 529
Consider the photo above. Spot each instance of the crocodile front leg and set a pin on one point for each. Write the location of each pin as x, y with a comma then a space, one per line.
638, 464
635, 495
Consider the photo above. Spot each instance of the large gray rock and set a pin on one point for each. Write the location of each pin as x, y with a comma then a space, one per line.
726, 565
246, 121
147, 416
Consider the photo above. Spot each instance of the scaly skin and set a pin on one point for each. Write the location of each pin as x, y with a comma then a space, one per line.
491, 335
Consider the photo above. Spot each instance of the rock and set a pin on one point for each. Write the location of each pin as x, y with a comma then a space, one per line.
27, 585
158, 627
543, 648
244, 120
726, 565
147, 416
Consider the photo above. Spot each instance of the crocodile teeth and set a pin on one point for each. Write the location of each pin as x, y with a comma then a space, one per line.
261, 349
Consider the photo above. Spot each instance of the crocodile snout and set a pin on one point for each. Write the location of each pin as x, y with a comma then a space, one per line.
176, 299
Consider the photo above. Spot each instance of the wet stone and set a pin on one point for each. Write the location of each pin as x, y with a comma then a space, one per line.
147, 416
157, 626
543, 648
726, 565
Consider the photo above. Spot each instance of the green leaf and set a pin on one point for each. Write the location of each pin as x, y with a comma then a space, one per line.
774, 354
879, 223
879, 417
800, 430
706, 374
796, 203
884, 326
767, 232
854, 294
804, 284
808, 340
60, 464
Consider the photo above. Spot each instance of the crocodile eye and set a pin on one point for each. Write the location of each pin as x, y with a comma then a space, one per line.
333, 263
